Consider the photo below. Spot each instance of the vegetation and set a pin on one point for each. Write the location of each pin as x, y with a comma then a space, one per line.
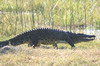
19, 15
86, 54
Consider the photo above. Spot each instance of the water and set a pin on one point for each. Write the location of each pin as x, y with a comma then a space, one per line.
93, 32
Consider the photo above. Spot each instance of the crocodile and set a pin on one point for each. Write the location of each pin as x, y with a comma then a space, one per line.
47, 36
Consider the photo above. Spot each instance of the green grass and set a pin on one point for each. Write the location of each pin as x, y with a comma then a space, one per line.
86, 54
60, 14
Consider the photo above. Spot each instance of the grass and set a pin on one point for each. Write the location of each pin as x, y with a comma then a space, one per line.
17, 16
86, 54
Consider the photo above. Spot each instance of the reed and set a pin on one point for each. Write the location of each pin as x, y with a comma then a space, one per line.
17, 16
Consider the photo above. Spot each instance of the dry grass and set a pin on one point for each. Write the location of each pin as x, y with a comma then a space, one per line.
26, 56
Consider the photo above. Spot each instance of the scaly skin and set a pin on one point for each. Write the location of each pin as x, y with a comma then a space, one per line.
47, 36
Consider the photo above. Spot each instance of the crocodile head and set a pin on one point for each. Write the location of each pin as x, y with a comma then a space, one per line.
82, 37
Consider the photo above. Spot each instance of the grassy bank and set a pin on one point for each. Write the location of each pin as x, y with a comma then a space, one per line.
86, 54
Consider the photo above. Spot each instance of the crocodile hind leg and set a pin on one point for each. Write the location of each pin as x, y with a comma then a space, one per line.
33, 44
55, 46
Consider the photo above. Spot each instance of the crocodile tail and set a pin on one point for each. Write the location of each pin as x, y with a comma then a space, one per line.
4, 43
